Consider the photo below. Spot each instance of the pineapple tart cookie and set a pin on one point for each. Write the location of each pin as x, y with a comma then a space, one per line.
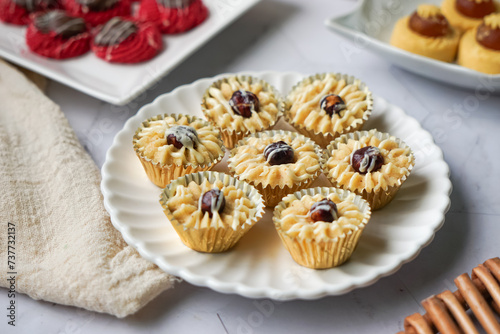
427, 33
467, 14
480, 47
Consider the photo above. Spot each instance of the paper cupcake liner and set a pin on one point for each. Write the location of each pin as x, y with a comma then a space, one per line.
211, 239
161, 174
323, 139
231, 137
274, 194
380, 198
322, 254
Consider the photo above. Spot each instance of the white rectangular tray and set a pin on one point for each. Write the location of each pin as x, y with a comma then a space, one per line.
116, 83
370, 26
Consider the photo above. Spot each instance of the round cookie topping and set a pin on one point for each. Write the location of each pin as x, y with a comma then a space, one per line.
488, 33
367, 159
60, 23
97, 5
175, 3
279, 153
332, 104
244, 102
34, 5
324, 210
114, 32
428, 21
475, 8
182, 136
212, 201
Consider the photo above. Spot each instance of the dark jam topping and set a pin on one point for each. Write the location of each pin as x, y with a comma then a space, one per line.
474, 9
435, 26
488, 37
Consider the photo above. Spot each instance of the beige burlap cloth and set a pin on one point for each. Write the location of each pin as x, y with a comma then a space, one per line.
66, 250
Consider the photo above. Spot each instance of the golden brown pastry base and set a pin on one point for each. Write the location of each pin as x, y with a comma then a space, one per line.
443, 48
473, 55
457, 19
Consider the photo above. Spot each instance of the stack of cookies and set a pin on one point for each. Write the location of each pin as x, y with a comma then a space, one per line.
465, 31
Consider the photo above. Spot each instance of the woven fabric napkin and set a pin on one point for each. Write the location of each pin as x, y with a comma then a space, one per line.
66, 250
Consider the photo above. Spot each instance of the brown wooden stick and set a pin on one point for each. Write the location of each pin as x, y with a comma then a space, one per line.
440, 316
477, 304
457, 304
494, 266
489, 282
416, 324
458, 311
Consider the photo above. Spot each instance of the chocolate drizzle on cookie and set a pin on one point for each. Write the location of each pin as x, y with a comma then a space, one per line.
279, 153
212, 201
182, 136
97, 5
114, 32
367, 160
324, 211
174, 3
243, 103
332, 104
34, 5
60, 23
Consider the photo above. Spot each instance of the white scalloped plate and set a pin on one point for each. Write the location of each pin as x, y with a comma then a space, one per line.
259, 266
370, 25
120, 83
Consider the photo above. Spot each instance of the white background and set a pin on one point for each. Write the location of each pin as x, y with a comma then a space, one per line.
290, 36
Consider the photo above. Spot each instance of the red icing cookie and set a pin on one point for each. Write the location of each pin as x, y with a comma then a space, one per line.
56, 35
97, 12
18, 11
125, 41
173, 16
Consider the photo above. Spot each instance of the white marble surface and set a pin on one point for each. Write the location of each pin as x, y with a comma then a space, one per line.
290, 36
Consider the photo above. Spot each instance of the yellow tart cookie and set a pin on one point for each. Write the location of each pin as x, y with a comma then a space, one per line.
371, 164
324, 106
480, 47
170, 146
427, 33
321, 227
211, 211
241, 105
277, 163
467, 14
